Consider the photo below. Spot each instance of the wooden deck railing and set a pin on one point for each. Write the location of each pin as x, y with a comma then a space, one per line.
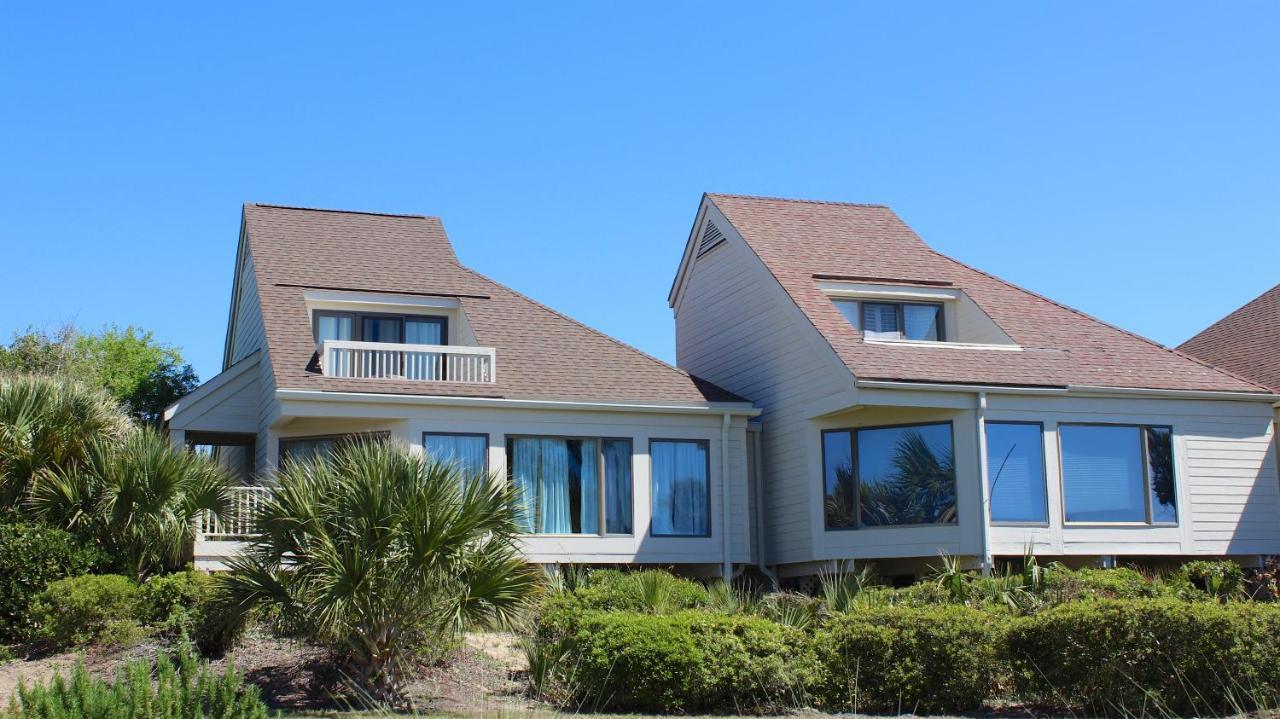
424, 363
237, 525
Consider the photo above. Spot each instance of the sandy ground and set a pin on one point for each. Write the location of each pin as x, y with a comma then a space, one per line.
483, 678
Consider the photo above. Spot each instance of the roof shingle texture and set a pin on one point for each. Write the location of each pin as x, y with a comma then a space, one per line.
1247, 341
798, 239
541, 354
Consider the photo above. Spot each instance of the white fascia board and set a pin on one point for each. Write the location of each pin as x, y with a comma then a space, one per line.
866, 290
1074, 391
338, 299
1091, 390
931, 344
741, 409
686, 259
219, 380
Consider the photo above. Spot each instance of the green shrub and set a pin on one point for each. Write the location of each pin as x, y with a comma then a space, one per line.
181, 690
1148, 655
80, 610
907, 659
31, 556
686, 661
1092, 583
1221, 579
170, 600
652, 591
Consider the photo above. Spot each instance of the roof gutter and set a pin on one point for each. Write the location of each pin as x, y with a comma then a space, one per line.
736, 409
1074, 390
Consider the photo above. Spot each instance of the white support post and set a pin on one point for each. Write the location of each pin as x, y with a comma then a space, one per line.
984, 484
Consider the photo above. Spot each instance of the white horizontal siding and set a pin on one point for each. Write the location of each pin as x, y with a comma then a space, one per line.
736, 327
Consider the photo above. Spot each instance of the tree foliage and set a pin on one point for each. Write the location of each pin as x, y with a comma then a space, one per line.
137, 370
379, 554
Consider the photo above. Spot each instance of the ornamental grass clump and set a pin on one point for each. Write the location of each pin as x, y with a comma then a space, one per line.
165, 689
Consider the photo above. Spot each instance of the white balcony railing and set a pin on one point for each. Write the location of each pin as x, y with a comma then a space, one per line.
424, 363
237, 523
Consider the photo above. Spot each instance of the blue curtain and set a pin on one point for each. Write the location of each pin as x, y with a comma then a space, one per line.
680, 489
588, 477
617, 472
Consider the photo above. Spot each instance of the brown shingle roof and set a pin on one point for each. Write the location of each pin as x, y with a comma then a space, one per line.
798, 239
541, 354
1247, 341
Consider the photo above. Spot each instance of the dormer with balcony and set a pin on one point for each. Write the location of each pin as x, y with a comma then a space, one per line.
399, 337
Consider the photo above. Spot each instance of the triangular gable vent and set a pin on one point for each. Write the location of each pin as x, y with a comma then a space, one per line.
711, 236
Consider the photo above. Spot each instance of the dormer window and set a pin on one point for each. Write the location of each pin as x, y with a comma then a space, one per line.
920, 321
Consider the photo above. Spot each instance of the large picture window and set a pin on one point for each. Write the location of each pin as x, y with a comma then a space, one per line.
681, 490
889, 476
469, 451
1015, 472
572, 485
1118, 473
322, 446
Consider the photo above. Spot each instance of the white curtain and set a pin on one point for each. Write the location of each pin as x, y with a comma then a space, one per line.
525, 466
553, 481
466, 451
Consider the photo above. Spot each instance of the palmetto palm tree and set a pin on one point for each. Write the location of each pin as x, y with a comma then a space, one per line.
49, 423
138, 498
378, 553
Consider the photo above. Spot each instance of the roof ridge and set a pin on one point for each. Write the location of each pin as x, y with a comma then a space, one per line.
303, 208
1229, 315
1102, 322
595, 331
798, 200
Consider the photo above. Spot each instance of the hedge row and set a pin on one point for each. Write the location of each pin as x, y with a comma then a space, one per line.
1104, 656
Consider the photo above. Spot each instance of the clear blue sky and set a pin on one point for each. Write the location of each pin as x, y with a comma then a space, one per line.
1123, 158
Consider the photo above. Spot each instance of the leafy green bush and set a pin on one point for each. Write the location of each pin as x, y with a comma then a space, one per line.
31, 556
652, 591
1093, 583
181, 690
1221, 579
907, 659
172, 602
686, 661
1148, 655
80, 610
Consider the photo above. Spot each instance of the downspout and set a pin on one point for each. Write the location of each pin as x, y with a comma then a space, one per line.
984, 484
727, 569
757, 456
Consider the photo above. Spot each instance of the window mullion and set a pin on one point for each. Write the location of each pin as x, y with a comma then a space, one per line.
857, 479
1147, 486
601, 487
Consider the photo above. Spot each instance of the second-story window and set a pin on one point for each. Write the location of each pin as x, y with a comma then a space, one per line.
410, 329
895, 320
